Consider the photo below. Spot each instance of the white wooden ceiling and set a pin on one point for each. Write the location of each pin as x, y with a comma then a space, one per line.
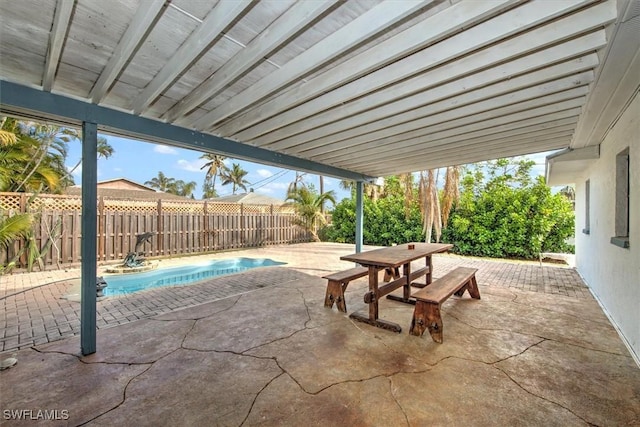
377, 87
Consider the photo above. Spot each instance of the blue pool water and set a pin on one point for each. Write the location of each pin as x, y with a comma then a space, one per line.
133, 282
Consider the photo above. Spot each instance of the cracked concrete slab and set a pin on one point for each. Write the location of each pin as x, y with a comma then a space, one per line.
255, 319
190, 388
54, 381
338, 352
602, 387
361, 403
276, 356
460, 392
538, 320
144, 341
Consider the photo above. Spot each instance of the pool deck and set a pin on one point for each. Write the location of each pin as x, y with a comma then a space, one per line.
535, 350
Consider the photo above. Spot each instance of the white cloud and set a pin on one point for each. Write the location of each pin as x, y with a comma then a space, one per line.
190, 166
264, 173
164, 149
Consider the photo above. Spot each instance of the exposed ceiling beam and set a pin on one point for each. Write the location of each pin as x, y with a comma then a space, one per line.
299, 16
22, 101
513, 136
454, 118
552, 92
498, 28
371, 23
563, 29
412, 147
434, 28
499, 152
492, 149
140, 25
547, 64
61, 19
212, 27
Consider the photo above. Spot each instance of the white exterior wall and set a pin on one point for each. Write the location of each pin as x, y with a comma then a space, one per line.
613, 273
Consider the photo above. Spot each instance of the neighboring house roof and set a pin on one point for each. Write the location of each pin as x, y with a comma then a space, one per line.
249, 198
123, 184
123, 188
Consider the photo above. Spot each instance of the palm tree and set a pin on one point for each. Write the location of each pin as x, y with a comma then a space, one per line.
373, 191
298, 181
13, 227
215, 167
430, 205
451, 193
161, 182
105, 150
182, 188
235, 176
31, 161
307, 204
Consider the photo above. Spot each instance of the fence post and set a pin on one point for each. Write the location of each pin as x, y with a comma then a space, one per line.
23, 203
101, 230
160, 235
242, 227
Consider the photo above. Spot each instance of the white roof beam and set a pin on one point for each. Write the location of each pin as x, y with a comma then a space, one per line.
140, 24
382, 146
361, 29
434, 28
211, 28
61, 19
549, 92
502, 27
525, 135
459, 152
428, 102
408, 147
296, 18
481, 155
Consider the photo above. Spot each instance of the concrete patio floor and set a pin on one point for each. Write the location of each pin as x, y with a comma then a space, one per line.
276, 356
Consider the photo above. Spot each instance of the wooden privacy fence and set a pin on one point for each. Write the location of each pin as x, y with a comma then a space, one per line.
179, 228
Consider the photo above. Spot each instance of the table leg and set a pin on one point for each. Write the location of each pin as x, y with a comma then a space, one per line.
406, 289
429, 275
373, 306
373, 287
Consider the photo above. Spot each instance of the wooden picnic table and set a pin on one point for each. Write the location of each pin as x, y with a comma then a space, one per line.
391, 259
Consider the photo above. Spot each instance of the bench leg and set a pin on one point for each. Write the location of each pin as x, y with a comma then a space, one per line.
335, 293
427, 316
472, 286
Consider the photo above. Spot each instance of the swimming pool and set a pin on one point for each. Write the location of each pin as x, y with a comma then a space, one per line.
133, 282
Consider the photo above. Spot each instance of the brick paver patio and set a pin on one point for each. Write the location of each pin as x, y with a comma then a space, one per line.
35, 312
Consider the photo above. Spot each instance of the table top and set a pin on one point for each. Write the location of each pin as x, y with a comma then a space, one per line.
395, 256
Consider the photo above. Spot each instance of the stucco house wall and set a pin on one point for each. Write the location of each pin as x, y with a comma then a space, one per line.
612, 272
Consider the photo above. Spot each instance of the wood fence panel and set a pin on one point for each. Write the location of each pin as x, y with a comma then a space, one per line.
179, 230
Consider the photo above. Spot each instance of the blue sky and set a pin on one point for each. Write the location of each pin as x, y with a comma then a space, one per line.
141, 162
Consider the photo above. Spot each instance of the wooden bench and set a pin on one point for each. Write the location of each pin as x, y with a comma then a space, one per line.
338, 284
426, 314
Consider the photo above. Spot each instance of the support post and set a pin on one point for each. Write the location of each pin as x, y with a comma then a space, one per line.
359, 215
89, 235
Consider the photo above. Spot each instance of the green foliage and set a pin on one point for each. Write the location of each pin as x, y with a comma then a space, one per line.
508, 215
385, 221
235, 176
308, 205
502, 212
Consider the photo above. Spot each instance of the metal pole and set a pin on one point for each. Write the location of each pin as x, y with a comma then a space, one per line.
89, 236
359, 215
